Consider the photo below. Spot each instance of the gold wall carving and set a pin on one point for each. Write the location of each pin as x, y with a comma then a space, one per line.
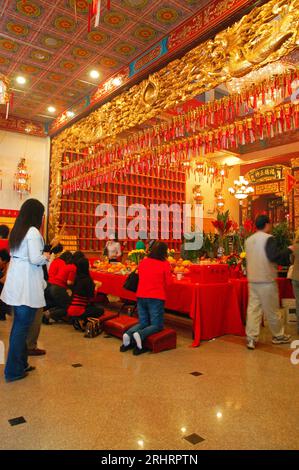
263, 36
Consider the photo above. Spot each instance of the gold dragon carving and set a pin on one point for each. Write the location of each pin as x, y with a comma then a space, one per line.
263, 36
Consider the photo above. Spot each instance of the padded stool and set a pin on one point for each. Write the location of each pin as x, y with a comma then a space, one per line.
165, 339
119, 325
107, 315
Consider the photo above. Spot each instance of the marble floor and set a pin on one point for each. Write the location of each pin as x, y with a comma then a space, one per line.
238, 399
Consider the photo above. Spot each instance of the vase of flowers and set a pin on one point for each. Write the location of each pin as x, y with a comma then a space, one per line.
237, 264
223, 225
136, 256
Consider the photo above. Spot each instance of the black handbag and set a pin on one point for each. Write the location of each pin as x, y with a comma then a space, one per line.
131, 282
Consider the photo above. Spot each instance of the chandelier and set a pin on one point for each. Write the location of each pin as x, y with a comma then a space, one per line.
219, 199
241, 189
22, 179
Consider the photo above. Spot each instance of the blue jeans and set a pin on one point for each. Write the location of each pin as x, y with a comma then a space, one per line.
150, 314
17, 353
296, 294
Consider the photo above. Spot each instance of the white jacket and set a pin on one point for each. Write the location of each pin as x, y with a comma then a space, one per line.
25, 283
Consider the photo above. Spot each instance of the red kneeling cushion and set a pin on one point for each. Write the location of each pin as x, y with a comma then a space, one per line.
165, 339
108, 315
118, 326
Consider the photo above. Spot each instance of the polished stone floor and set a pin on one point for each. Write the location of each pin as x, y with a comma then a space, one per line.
238, 399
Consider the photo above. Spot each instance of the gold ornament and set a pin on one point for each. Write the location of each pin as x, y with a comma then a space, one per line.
265, 35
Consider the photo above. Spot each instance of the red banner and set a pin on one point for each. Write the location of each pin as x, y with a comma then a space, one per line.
206, 19
24, 126
8, 213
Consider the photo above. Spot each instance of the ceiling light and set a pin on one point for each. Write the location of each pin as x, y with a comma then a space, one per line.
117, 81
94, 74
21, 80
51, 109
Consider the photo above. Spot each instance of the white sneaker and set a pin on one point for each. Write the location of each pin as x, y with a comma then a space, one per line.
284, 339
251, 344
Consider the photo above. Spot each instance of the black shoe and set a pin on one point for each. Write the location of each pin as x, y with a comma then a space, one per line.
137, 351
45, 320
124, 348
30, 368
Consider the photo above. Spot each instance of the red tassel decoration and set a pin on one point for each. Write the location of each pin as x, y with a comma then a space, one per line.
108, 4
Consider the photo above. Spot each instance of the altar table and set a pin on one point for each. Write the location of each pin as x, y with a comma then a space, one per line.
214, 308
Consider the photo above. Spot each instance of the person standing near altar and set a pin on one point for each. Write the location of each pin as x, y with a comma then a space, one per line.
113, 250
263, 255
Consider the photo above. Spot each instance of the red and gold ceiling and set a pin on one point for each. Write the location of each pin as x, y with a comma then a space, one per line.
49, 44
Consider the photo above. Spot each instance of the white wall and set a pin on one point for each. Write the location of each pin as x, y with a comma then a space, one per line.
36, 150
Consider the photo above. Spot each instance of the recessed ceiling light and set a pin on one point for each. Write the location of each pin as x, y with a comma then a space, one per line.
21, 80
51, 41
51, 109
70, 114
39, 56
117, 81
94, 74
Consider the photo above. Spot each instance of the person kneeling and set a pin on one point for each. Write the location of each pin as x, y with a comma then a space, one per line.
83, 291
154, 277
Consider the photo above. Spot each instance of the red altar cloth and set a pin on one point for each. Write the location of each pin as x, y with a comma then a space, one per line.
241, 287
214, 308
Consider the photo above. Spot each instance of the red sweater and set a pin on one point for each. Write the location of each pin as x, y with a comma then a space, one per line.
60, 273
154, 277
4, 244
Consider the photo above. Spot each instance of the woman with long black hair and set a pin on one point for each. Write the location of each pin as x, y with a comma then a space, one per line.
154, 278
24, 285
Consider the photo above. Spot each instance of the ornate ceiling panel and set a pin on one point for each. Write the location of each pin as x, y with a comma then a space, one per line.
49, 44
